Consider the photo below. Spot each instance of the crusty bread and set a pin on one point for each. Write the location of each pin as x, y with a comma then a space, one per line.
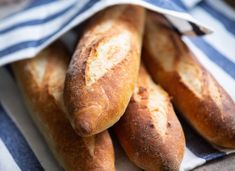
149, 131
42, 80
196, 94
104, 69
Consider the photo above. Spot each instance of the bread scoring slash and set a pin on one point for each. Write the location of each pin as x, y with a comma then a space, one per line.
196, 94
149, 131
104, 69
41, 80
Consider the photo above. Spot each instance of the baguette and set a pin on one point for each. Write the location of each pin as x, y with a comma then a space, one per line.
149, 131
41, 80
196, 94
104, 69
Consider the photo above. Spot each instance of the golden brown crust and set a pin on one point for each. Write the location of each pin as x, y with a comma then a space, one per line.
149, 131
42, 80
196, 94
104, 69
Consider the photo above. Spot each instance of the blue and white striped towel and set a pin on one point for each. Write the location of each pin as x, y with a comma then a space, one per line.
24, 33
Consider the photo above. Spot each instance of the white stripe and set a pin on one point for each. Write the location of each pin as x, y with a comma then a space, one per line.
225, 80
12, 102
7, 163
35, 32
36, 13
180, 24
191, 3
221, 40
26, 53
190, 161
222, 7
69, 39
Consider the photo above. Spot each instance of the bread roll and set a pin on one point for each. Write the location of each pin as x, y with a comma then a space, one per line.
104, 69
41, 80
149, 131
196, 94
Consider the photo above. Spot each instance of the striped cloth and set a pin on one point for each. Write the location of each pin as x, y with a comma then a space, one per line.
30, 33
21, 145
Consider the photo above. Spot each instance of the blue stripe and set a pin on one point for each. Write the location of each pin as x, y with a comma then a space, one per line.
228, 23
214, 55
37, 21
35, 43
17, 145
213, 156
37, 3
180, 4
33, 4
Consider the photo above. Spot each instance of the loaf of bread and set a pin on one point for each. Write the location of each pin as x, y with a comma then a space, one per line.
196, 94
149, 131
41, 80
104, 69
